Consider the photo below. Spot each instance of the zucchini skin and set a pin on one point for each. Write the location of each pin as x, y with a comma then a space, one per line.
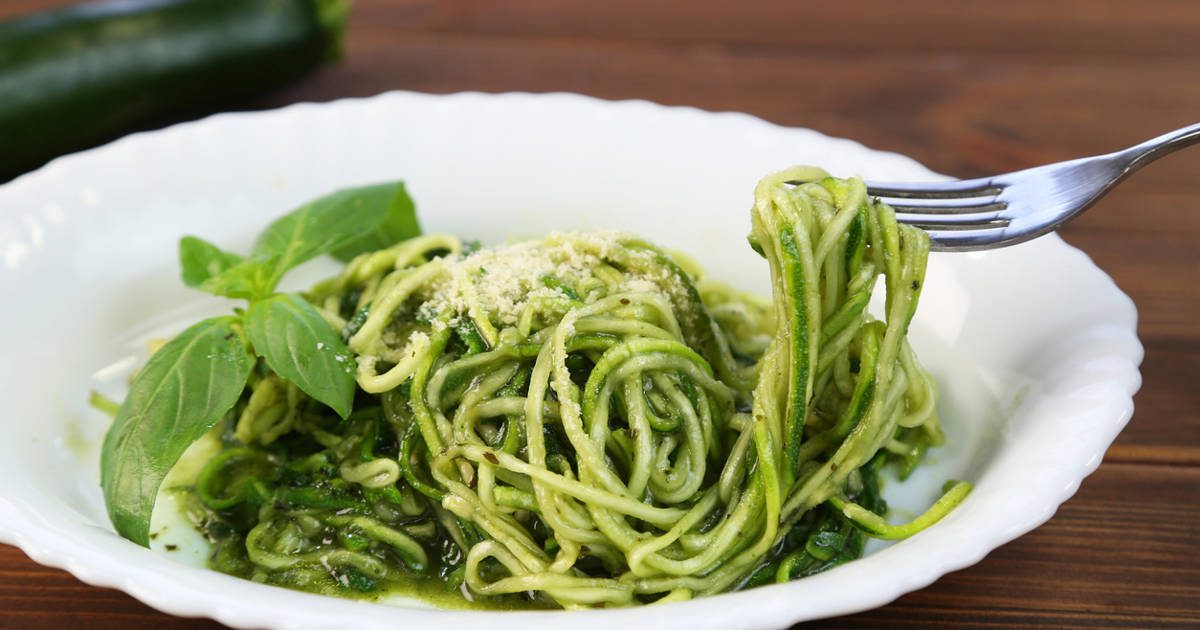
79, 76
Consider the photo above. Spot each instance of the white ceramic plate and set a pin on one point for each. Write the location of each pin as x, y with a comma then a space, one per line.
1034, 347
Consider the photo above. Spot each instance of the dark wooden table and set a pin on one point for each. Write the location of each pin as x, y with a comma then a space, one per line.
980, 88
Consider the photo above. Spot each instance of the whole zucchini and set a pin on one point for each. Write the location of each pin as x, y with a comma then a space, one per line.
78, 76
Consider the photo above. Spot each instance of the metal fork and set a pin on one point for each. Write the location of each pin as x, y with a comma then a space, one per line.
992, 212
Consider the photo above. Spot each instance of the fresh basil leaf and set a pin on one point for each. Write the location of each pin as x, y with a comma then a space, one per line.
184, 389
200, 260
299, 345
335, 223
398, 224
250, 279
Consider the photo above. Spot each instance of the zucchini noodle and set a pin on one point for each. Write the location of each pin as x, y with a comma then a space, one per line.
589, 420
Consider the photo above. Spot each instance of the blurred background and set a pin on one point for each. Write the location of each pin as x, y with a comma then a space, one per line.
967, 88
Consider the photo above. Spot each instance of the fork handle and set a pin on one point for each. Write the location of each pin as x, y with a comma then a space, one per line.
1142, 154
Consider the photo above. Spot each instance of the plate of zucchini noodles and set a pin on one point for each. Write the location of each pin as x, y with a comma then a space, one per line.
528, 360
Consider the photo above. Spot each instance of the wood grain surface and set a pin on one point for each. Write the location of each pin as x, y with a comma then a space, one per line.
967, 88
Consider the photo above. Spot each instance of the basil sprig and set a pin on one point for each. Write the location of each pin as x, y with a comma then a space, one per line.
193, 381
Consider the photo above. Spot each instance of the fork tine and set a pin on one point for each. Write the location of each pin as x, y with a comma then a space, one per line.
952, 221
957, 189
965, 240
944, 205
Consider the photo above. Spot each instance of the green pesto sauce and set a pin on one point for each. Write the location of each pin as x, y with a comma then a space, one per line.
432, 586
225, 531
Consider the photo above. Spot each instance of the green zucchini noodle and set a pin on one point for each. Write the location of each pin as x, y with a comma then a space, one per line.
589, 420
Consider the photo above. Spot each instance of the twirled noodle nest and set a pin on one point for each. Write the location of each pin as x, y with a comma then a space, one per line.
593, 420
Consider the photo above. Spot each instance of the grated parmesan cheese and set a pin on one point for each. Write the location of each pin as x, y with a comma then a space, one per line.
497, 283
